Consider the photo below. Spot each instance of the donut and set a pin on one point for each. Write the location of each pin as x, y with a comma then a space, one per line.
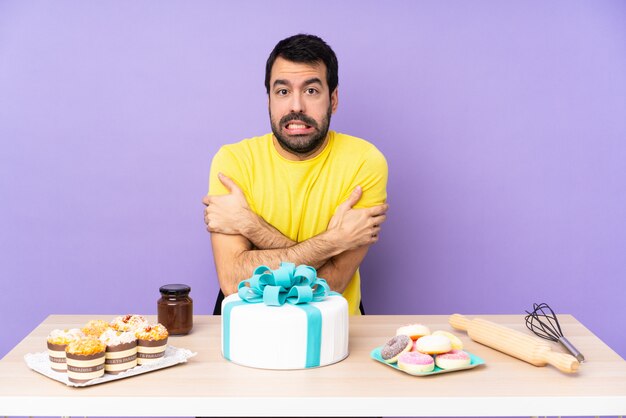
414, 331
452, 360
414, 362
454, 340
433, 344
394, 347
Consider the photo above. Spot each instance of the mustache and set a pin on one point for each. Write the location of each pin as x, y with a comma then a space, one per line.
299, 117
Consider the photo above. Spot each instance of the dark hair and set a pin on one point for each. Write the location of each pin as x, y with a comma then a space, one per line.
307, 49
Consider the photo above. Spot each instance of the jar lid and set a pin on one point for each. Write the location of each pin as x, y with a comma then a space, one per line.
175, 289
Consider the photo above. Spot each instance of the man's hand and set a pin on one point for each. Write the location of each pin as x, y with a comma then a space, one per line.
355, 228
227, 214
231, 215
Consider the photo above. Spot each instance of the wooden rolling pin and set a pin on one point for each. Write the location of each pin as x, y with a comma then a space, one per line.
514, 343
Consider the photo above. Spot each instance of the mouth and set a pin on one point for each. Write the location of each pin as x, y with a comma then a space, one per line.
298, 128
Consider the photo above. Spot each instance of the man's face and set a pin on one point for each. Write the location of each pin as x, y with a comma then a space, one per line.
300, 106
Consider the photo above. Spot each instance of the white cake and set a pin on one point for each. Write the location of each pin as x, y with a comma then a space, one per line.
275, 337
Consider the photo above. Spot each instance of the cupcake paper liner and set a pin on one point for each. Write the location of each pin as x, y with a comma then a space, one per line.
120, 357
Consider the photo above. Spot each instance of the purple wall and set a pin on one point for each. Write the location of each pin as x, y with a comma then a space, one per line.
503, 123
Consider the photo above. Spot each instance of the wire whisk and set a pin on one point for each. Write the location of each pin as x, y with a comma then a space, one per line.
542, 321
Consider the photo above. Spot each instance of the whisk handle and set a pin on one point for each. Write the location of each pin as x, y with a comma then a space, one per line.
458, 321
570, 347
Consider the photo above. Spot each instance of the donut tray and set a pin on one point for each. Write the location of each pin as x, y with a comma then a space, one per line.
474, 362
39, 362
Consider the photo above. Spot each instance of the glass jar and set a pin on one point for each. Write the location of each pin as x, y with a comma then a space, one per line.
175, 308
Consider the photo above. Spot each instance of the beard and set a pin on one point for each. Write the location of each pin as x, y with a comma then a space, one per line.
302, 144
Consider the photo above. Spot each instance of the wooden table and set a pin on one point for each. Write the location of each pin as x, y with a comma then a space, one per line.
208, 385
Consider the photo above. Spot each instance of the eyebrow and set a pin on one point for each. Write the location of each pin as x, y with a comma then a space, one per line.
281, 82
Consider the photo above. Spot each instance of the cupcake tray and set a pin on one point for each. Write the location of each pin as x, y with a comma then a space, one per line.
474, 361
40, 363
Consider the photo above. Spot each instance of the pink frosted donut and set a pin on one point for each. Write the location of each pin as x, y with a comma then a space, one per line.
452, 360
394, 347
433, 344
414, 362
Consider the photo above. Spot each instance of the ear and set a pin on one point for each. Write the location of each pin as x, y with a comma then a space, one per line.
334, 100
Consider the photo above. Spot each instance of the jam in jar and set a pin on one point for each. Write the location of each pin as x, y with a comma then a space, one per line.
175, 308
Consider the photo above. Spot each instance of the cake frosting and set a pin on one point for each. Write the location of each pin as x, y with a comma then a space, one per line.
276, 337
95, 328
284, 319
112, 337
85, 346
129, 323
64, 336
152, 332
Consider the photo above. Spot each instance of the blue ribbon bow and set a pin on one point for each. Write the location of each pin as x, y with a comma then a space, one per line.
287, 284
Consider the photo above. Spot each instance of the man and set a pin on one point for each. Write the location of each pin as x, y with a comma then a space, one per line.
301, 194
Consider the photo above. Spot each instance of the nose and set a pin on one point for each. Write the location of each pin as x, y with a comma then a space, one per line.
297, 103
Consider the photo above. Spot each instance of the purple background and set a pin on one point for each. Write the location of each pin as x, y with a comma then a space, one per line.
504, 125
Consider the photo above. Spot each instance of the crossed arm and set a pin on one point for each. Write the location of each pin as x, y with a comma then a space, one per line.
242, 240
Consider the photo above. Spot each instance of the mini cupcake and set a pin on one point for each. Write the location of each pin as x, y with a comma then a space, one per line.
95, 328
58, 339
151, 343
129, 323
85, 359
121, 351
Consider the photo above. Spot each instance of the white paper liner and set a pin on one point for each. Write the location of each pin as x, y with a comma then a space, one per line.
40, 363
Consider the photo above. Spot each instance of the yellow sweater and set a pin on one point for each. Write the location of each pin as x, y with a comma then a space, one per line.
299, 198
